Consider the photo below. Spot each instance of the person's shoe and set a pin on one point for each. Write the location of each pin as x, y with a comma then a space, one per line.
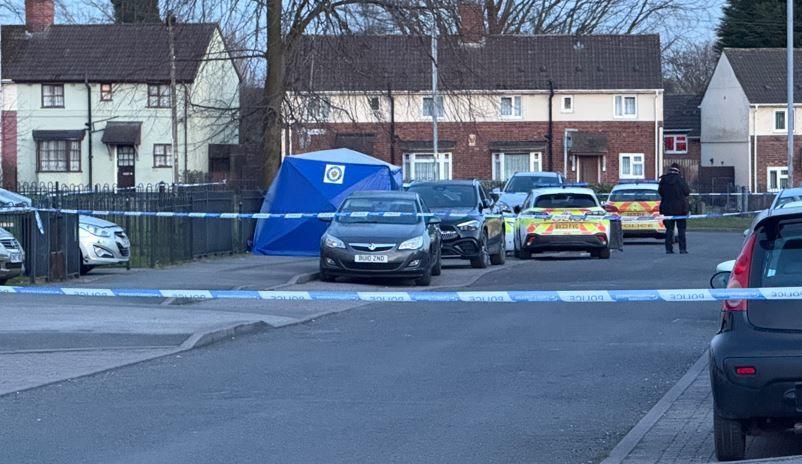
669, 252
683, 252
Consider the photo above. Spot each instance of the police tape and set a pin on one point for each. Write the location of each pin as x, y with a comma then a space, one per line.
534, 296
389, 214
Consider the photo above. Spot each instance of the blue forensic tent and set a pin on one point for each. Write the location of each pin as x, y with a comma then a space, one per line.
316, 182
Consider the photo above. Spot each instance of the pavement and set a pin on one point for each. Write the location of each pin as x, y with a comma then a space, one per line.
433, 382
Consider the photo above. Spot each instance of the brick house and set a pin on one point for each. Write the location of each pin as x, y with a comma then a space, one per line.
91, 104
682, 134
744, 117
588, 106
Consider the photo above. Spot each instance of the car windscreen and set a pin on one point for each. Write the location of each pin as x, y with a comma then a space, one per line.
565, 200
786, 201
447, 196
522, 184
379, 205
777, 262
634, 195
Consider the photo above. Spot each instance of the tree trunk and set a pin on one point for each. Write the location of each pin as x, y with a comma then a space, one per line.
273, 93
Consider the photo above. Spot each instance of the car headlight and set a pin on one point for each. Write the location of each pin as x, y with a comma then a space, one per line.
333, 242
96, 231
469, 225
411, 244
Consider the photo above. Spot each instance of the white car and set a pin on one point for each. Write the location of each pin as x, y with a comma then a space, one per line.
12, 257
102, 243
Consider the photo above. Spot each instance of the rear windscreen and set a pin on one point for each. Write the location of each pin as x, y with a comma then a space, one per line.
777, 262
565, 200
634, 195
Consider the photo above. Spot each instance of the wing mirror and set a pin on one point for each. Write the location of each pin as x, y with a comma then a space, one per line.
326, 218
746, 233
720, 279
516, 209
433, 220
487, 203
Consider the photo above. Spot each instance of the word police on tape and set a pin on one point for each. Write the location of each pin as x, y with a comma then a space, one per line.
535, 296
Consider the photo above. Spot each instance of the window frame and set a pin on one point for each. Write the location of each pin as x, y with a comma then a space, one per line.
563, 108
69, 152
675, 138
168, 147
535, 159
780, 176
106, 95
774, 113
321, 112
632, 163
513, 99
441, 107
443, 159
159, 96
624, 114
52, 86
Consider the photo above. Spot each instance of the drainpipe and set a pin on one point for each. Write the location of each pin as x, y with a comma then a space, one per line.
186, 125
658, 158
89, 124
550, 136
753, 167
392, 123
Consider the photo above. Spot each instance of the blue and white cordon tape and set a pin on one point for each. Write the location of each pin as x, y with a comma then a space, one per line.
329, 215
535, 296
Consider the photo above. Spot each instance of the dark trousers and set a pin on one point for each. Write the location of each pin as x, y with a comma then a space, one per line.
681, 225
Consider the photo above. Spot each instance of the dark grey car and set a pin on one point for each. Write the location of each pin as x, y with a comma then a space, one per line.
369, 244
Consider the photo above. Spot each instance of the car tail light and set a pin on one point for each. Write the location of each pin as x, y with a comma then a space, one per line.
602, 237
739, 278
745, 370
611, 208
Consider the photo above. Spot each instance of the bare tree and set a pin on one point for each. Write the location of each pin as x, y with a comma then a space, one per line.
687, 68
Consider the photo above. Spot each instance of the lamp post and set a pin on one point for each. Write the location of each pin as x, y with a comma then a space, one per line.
790, 87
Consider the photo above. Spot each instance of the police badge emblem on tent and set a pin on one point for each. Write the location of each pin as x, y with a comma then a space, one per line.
334, 174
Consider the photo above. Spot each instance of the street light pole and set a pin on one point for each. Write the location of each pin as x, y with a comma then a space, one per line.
435, 134
790, 87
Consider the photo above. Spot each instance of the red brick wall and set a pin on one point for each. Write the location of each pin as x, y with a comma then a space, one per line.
39, 14
772, 151
8, 119
475, 161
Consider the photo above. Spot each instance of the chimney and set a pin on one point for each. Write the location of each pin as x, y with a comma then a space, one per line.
471, 21
39, 14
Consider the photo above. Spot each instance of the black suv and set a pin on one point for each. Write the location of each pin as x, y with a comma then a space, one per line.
756, 358
471, 225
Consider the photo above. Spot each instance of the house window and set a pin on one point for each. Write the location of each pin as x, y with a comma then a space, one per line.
158, 96
567, 104
162, 155
676, 144
52, 96
318, 109
631, 166
507, 164
423, 166
510, 107
626, 106
426, 108
779, 120
777, 179
374, 104
105, 92
58, 155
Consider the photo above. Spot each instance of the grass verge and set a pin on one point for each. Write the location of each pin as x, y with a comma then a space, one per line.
733, 223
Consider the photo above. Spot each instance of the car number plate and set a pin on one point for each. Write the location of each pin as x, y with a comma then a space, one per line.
370, 258
564, 226
15, 257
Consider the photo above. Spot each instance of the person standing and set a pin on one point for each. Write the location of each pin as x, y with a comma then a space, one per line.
674, 194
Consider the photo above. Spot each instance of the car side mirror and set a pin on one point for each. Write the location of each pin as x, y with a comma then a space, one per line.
720, 279
433, 220
609, 208
746, 233
516, 209
496, 196
326, 218
487, 203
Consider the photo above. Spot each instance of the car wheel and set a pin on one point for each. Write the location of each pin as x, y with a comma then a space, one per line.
730, 438
3, 281
85, 269
483, 260
425, 279
603, 254
437, 269
500, 257
326, 277
518, 252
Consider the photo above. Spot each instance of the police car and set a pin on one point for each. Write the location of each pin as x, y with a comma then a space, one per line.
635, 202
562, 219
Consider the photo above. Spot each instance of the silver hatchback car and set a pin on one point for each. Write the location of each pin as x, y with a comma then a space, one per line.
102, 243
12, 257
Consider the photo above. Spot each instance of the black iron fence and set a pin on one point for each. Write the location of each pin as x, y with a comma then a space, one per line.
50, 242
164, 240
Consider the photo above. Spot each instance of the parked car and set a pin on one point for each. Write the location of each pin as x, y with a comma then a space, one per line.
756, 357
371, 245
637, 199
12, 257
102, 243
471, 224
570, 224
520, 184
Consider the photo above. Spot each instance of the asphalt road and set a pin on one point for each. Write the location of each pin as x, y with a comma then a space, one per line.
448, 382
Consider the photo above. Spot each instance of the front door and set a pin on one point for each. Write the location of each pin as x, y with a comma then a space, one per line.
126, 156
588, 169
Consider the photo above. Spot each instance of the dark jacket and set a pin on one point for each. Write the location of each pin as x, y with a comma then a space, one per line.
673, 195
